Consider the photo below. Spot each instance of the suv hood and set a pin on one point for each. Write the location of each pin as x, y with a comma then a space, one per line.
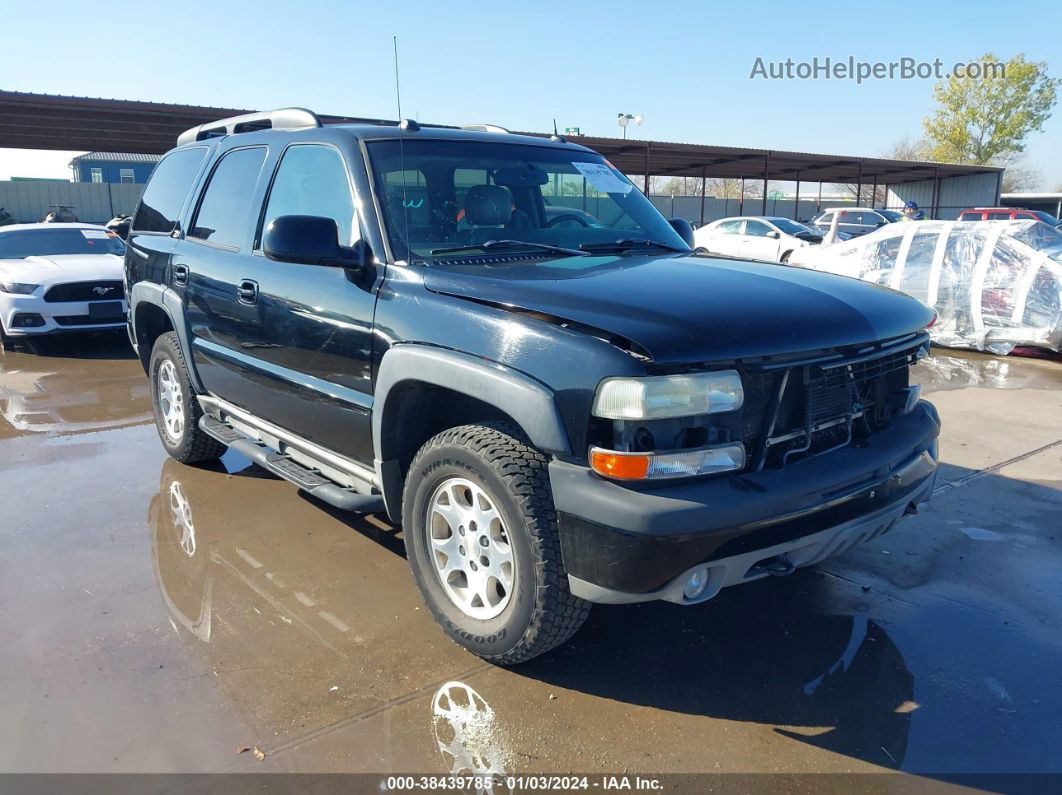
684, 309
62, 268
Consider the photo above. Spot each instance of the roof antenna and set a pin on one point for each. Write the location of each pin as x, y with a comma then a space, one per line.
554, 126
398, 92
403, 125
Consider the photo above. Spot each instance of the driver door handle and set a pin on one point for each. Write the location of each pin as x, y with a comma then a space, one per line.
247, 291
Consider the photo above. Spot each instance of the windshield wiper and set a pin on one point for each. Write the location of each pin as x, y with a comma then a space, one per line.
629, 243
493, 245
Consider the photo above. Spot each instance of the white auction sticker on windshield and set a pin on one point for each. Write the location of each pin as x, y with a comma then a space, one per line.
95, 234
604, 178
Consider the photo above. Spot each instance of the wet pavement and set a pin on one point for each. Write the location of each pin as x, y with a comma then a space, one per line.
158, 617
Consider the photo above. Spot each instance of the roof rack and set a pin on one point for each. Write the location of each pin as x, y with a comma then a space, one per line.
492, 128
280, 119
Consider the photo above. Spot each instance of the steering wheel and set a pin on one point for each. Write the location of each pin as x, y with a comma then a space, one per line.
567, 217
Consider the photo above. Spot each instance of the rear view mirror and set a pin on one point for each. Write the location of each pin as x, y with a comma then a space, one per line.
684, 229
525, 176
306, 240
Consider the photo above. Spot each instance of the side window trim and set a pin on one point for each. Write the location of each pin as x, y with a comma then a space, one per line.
355, 226
201, 191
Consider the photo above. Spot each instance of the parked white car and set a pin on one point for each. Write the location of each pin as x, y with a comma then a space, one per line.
854, 221
59, 278
994, 284
756, 237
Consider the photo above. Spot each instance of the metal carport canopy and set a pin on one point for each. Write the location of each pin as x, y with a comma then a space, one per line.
699, 160
44, 121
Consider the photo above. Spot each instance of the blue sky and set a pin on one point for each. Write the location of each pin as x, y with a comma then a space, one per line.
683, 65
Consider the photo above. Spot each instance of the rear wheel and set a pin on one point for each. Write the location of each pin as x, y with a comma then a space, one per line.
785, 257
176, 410
481, 538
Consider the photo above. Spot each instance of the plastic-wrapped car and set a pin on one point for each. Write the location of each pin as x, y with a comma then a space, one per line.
994, 284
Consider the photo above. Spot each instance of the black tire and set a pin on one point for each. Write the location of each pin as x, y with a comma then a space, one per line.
190, 445
785, 257
541, 612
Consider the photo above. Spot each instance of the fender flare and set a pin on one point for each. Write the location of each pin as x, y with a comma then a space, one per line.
526, 400
171, 304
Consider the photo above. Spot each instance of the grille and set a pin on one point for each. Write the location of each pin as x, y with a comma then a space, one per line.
85, 320
85, 291
820, 404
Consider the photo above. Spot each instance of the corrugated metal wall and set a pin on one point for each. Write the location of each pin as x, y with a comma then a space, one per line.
98, 203
956, 194
689, 207
93, 203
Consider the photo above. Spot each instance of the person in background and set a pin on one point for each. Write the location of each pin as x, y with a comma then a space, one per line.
912, 213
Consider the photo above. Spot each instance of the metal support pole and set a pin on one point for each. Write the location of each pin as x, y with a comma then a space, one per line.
936, 194
766, 170
859, 184
818, 203
999, 189
796, 204
646, 168
704, 190
741, 199
874, 194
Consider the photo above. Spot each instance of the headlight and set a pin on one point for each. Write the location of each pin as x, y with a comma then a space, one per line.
659, 397
18, 289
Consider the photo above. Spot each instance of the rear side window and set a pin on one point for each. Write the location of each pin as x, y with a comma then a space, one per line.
223, 212
970, 217
312, 180
730, 227
167, 189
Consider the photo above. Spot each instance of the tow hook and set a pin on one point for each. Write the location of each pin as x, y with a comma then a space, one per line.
778, 566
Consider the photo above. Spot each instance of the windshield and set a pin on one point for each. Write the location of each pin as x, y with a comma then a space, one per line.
47, 242
793, 228
447, 194
891, 215
1041, 237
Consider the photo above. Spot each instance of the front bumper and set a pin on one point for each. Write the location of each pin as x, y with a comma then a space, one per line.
626, 544
58, 316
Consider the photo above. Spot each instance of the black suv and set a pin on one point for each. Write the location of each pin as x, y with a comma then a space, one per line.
557, 410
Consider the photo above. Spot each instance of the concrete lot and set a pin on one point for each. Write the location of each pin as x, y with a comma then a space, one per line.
158, 617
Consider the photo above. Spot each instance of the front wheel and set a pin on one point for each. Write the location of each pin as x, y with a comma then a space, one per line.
481, 538
176, 410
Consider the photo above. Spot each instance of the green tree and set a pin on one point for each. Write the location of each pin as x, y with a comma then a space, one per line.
987, 120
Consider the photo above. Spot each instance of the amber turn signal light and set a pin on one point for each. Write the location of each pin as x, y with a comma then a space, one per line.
615, 465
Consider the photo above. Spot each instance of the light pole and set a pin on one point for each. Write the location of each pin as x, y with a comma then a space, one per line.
623, 119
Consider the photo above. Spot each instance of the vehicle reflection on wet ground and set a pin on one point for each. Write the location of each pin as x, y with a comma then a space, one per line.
160, 616
72, 385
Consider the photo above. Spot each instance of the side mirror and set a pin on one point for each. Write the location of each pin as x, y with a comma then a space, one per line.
774, 235
306, 240
684, 229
